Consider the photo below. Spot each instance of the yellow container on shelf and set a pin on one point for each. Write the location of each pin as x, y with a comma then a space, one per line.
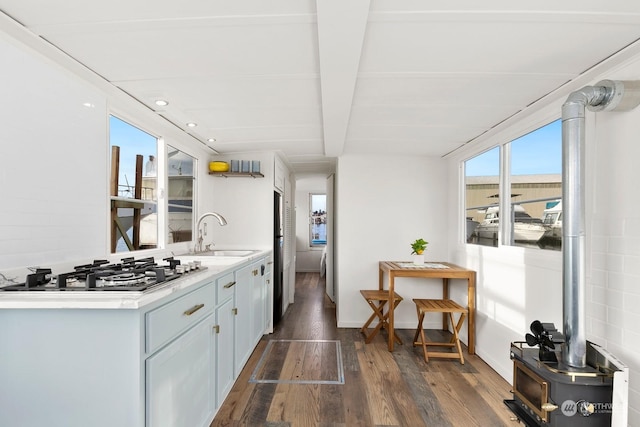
218, 166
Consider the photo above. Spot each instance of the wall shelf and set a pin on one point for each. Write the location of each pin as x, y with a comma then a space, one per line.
237, 174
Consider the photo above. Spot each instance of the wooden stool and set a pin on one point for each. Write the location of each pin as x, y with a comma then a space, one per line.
377, 300
424, 306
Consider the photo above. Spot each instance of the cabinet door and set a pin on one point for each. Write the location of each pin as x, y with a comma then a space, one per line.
268, 296
224, 345
258, 301
180, 378
243, 322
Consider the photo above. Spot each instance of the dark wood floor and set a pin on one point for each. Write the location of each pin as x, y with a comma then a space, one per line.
380, 388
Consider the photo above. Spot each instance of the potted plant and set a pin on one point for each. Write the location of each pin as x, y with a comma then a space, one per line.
418, 246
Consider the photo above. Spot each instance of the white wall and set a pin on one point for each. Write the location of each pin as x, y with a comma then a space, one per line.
55, 157
52, 163
613, 320
245, 202
307, 257
517, 286
380, 211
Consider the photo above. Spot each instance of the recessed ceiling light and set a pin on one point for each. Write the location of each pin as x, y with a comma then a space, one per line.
89, 105
211, 140
192, 125
161, 102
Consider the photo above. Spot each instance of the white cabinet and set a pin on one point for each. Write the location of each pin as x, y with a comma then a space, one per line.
225, 332
180, 373
170, 362
268, 284
166, 322
259, 297
188, 379
243, 316
225, 375
251, 305
180, 379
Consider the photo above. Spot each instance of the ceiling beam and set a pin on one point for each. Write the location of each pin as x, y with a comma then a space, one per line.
341, 29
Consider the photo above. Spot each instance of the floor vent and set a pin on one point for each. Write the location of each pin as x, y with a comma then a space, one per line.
300, 362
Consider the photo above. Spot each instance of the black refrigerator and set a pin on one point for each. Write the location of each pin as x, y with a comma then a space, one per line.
278, 253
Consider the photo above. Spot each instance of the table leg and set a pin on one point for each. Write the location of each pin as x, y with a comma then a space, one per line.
391, 312
445, 295
471, 318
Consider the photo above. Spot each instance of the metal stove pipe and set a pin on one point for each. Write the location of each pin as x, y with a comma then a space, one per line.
606, 95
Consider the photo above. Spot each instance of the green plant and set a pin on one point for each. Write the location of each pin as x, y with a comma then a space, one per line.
419, 246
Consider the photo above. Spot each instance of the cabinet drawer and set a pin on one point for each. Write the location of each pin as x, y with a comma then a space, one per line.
225, 286
166, 322
179, 380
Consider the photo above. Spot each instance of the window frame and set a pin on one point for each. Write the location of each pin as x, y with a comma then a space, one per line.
112, 247
505, 228
167, 199
319, 244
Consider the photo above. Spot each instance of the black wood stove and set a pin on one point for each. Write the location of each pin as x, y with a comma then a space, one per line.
548, 392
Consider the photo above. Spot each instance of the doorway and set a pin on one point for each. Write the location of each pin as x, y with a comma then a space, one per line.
314, 227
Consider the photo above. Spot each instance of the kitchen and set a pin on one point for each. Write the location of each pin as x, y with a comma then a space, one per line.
55, 204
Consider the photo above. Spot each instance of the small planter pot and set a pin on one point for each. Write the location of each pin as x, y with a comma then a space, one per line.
418, 259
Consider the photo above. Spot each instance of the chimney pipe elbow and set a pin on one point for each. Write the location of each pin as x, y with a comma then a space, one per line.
587, 96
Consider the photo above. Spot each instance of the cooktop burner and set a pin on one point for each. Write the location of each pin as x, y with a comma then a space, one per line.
129, 275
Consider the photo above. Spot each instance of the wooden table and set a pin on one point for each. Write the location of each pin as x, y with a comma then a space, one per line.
395, 269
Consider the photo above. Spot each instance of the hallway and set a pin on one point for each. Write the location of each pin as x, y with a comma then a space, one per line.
380, 388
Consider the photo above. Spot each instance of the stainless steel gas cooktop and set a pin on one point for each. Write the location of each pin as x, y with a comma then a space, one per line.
128, 275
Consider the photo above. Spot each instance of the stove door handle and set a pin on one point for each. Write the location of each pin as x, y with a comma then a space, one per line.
193, 309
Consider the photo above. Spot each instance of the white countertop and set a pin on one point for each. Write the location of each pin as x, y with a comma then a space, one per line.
124, 299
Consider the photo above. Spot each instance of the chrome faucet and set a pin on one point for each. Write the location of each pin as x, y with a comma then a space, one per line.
217, 216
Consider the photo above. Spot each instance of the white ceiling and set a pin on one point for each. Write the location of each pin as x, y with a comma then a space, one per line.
317, 79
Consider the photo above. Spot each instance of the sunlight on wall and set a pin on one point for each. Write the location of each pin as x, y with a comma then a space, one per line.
501, 293
504, 301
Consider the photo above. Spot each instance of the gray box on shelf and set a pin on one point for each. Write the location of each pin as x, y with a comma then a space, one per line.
255, 166
245, 166
235, 165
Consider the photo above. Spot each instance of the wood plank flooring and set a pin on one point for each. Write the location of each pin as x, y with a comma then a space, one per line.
380, 389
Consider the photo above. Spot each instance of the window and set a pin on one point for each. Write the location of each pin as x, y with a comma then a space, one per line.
180, 205
482, 184
133, 193
536, 185
318, 219
535, 190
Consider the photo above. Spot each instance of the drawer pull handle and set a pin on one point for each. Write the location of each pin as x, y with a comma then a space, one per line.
228, 285
193, 309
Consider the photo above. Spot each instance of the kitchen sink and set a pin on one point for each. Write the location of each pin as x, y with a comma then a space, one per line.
229, 252
219, 257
